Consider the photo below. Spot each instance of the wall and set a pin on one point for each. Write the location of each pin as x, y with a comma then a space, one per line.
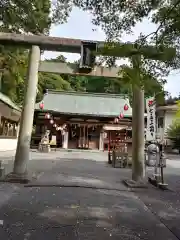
168, 120
169, 117
9, 113
8, 144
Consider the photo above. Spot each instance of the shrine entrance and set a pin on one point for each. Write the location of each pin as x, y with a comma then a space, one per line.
84, 136
83, 142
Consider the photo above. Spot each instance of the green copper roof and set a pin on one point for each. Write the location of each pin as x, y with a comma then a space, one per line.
8, 101
107, 105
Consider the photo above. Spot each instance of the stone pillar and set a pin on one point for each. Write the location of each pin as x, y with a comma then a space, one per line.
138, 161
101, 141
27, 115
17, 130
65, 139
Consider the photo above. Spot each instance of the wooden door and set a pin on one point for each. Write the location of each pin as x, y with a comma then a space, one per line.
83, 137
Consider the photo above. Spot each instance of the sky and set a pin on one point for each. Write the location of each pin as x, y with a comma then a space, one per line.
79, 26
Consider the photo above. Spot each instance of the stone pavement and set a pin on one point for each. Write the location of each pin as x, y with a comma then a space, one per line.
79, 196
61, 213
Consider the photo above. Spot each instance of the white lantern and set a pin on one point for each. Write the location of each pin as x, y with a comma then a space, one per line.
47, 115
116, 120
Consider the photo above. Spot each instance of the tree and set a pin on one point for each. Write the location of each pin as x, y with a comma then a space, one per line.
113, 16
108, 85
20, 17
173, 133
116, 17
53, 82
30, 16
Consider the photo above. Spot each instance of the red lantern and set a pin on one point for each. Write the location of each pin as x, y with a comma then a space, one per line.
150, 103
126, 107
121, 115
41, 105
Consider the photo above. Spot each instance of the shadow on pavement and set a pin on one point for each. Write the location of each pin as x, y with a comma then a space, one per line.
52, 213
165, 205
86, 213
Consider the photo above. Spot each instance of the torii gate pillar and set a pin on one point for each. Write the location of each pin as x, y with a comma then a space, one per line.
24, 138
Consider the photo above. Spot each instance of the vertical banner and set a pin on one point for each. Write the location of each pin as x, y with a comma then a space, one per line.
151, 119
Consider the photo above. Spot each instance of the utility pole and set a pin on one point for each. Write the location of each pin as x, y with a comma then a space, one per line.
24, 138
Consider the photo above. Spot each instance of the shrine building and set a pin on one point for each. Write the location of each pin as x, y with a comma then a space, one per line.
81, 120
10, 115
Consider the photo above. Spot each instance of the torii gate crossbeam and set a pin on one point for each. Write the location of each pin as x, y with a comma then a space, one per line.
71, 45
72, 69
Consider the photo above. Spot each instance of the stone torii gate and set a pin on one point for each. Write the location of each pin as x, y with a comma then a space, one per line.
38, 43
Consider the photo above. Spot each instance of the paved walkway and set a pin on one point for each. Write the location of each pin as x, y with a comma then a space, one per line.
79, 196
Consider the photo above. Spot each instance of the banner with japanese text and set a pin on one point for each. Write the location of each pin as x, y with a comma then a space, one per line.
151, 119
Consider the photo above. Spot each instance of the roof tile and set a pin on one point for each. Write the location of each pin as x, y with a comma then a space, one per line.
107, 105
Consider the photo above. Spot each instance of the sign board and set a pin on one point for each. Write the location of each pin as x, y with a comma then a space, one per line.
151, 119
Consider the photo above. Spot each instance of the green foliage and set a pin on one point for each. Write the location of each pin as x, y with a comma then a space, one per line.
30, 16
20, 16
115, 17
173, 133
51, 81
13, 80
178, 111
119, 17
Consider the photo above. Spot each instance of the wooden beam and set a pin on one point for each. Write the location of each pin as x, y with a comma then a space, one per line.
45, 42
72, 69
117, 49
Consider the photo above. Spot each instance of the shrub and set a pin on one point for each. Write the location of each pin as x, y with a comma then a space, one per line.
173, 133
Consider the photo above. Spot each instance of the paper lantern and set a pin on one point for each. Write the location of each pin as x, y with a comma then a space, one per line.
150, 102
47, 115
51, 121
116, 120
126, 107
41, 105
121, 115
55, 125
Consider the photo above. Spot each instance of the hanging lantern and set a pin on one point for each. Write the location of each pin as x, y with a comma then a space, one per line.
150, 103
116, 120
126, 107
64, 126
121, 115
55, 125
41, 105
47, 115
51, 121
